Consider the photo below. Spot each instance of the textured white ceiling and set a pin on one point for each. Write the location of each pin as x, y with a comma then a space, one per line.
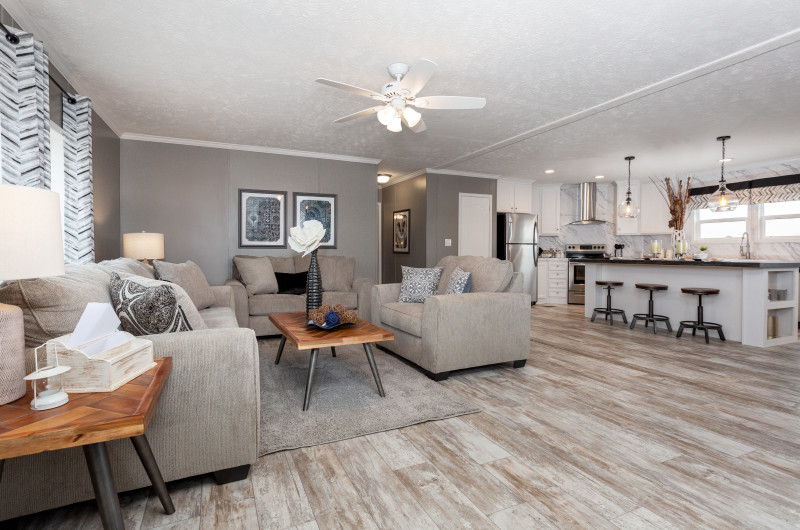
243, 72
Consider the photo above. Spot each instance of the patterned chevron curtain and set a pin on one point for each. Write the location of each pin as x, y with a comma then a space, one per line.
25, 112
767, 194
78, 187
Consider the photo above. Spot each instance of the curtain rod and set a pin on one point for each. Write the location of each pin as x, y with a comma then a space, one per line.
13, 39
749, 184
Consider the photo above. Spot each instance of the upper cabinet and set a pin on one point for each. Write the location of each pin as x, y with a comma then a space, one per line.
653, 210
513, 196
546, 202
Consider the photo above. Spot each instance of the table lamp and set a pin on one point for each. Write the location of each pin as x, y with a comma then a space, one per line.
144, 246
31, 246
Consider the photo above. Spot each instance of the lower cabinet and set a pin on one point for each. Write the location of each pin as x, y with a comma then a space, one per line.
553, 281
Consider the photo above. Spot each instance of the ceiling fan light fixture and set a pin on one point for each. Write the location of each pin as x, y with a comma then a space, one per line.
412, 116
395, 124
386, 114
723, 200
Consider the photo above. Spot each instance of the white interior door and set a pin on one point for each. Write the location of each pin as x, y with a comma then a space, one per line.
474, 225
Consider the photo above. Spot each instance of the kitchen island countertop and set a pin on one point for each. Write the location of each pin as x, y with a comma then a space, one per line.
738, 263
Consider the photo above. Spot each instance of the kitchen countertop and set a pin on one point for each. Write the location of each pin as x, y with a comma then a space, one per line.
740, 263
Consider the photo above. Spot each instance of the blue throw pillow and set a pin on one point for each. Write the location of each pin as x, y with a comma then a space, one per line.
418, 284
460, 282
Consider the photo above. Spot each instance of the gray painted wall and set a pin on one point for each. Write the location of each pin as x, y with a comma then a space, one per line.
410, 194
191, 195
105, 165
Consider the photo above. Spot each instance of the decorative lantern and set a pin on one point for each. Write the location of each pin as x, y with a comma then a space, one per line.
48, 383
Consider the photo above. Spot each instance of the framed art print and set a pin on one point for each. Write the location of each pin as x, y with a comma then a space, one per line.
321, 207
262, 219
401, 231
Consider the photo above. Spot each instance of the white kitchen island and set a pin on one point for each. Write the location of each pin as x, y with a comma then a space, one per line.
742, 306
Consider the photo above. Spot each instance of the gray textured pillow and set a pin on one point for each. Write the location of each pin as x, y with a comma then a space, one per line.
257, 275
184, 301
146, 310
418, 284
460, 282
190, 277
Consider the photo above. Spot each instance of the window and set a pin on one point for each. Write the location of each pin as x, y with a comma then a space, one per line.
720, 225
780, 220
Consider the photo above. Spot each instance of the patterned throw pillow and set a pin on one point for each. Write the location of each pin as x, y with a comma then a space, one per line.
146, 310
418, 284
460, 282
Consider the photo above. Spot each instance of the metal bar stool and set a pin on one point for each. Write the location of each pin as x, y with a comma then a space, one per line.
650, 316
700, 323
608, 311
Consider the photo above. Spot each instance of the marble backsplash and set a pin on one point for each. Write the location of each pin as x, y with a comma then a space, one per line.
636, 245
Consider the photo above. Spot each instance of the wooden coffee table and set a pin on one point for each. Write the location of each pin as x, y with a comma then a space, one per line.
295, 327
91, 420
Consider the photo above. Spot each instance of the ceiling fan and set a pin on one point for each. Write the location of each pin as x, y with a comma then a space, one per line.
399, 97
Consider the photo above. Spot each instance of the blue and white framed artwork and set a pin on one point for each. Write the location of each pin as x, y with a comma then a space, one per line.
321, 207
262, 219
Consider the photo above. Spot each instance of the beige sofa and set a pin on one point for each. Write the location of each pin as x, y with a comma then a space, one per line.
338, 284
488, 325
207, 419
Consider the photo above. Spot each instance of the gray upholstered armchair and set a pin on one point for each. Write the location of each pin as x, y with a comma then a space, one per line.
489, 325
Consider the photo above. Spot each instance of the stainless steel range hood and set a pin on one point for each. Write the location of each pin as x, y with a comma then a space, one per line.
587, 205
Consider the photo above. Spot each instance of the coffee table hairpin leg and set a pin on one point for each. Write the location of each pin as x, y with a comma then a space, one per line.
280, 349
311, 366
371, 359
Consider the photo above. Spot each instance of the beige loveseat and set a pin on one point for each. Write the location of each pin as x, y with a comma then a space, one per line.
490, 324
338, 284
207, 419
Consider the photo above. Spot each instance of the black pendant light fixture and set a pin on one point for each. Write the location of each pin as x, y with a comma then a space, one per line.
723, 200
627, 208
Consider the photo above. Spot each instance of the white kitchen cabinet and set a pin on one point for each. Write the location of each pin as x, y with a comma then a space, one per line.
654, 212
627, 225
541, 281
549, 210
552, 276
514, 197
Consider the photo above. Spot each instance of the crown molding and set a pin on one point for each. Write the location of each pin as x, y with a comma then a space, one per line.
468, 174
21, 15
251, 148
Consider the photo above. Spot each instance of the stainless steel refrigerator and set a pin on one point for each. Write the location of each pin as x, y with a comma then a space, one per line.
518, 242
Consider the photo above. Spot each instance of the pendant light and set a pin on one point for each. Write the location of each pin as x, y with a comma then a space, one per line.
628, 208
723, 200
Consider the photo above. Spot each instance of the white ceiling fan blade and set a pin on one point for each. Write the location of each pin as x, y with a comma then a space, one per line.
351, 88
418, 76
419, 127
359, 114
449, 102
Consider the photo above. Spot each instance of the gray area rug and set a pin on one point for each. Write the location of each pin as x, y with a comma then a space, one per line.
344, 399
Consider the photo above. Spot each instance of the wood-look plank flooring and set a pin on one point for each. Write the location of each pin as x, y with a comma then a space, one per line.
605, 427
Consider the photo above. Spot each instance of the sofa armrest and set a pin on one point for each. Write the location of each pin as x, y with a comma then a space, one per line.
363, 287
241, 307
382, 294
473, 324
213, 388
223, 296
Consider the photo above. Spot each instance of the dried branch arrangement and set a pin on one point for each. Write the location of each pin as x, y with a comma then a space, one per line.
677, 198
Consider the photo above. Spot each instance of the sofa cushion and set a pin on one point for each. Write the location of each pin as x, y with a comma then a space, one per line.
284, 265
128, 266
219, 317
291, 283
403, 316
257, 275
146, 309
184, 301
51, 307
348, 299
460, 282
418, 284
337, 272
489, 275
190, 277
266, 304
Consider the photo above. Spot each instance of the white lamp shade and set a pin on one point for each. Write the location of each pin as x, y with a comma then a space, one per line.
31, 243
143, 245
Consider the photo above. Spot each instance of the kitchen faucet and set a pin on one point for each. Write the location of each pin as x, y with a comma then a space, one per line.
744, 246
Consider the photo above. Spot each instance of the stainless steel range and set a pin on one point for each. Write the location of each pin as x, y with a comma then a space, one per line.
577, 270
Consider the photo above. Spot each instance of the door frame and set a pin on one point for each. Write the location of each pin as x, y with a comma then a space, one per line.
491, 211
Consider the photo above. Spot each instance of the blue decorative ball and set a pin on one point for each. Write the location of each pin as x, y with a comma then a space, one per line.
331, 319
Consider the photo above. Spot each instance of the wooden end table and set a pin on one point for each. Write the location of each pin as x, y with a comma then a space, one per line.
91, 420
295, 327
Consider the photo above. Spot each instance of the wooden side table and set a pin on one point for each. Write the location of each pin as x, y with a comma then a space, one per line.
295, 327
91, 420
